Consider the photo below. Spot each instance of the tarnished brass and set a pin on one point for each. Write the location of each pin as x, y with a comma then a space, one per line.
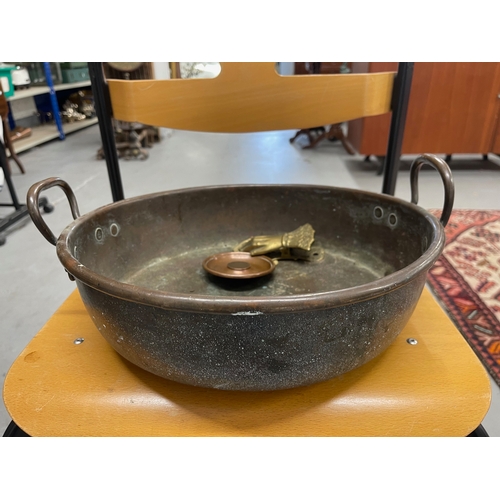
315, 254
301, 239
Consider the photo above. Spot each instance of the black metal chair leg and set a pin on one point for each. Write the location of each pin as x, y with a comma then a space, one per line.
400, 99
479, 432
13, 430
103, 111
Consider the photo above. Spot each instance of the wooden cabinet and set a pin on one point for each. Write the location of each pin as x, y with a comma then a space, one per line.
453, 108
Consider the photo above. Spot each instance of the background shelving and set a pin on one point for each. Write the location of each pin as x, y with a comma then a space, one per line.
46, 132
33, 91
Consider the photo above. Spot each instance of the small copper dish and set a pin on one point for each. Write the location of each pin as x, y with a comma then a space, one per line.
238, 265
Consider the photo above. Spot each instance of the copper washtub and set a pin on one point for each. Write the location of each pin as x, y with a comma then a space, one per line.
138, 266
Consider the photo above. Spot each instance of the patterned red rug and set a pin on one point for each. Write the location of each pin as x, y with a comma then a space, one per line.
466, 280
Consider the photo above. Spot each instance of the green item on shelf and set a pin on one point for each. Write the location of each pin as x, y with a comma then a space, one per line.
6, 80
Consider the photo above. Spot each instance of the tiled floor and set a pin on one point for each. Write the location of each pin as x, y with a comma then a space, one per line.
33, 283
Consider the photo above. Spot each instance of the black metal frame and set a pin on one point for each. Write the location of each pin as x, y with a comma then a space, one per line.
13, 430
20, 211
104, 113
399, 106
479, 432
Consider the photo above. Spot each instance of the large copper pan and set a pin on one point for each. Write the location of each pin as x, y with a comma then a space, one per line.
138, 266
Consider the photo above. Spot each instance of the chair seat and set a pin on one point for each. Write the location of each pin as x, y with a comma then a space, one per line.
436, 387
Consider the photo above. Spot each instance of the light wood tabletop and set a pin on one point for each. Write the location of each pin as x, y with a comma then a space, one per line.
436, 387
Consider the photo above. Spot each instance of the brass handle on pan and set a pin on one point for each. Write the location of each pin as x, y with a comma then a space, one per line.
444, 170
32, 201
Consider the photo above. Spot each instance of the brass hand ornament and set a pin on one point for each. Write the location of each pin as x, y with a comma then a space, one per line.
302, 238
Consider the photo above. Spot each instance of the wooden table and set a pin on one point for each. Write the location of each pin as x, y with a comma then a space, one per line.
436, 387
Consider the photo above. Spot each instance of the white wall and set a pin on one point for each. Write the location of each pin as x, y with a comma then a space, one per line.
162, 70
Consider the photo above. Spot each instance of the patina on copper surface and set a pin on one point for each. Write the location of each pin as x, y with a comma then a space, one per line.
238, 265
137, 267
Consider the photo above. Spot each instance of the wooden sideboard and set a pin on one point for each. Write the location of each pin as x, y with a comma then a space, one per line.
454, 108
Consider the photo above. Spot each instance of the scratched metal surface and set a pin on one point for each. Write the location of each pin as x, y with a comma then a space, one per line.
138, 266
183, 273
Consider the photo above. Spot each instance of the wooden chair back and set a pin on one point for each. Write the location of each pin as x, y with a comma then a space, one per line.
251, 97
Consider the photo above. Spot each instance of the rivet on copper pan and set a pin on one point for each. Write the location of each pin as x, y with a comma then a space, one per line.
237, 264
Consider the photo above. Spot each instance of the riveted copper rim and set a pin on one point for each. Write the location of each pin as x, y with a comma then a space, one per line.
267, 305
238, 265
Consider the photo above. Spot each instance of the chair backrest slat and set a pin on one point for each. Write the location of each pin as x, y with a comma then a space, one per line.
251, 97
